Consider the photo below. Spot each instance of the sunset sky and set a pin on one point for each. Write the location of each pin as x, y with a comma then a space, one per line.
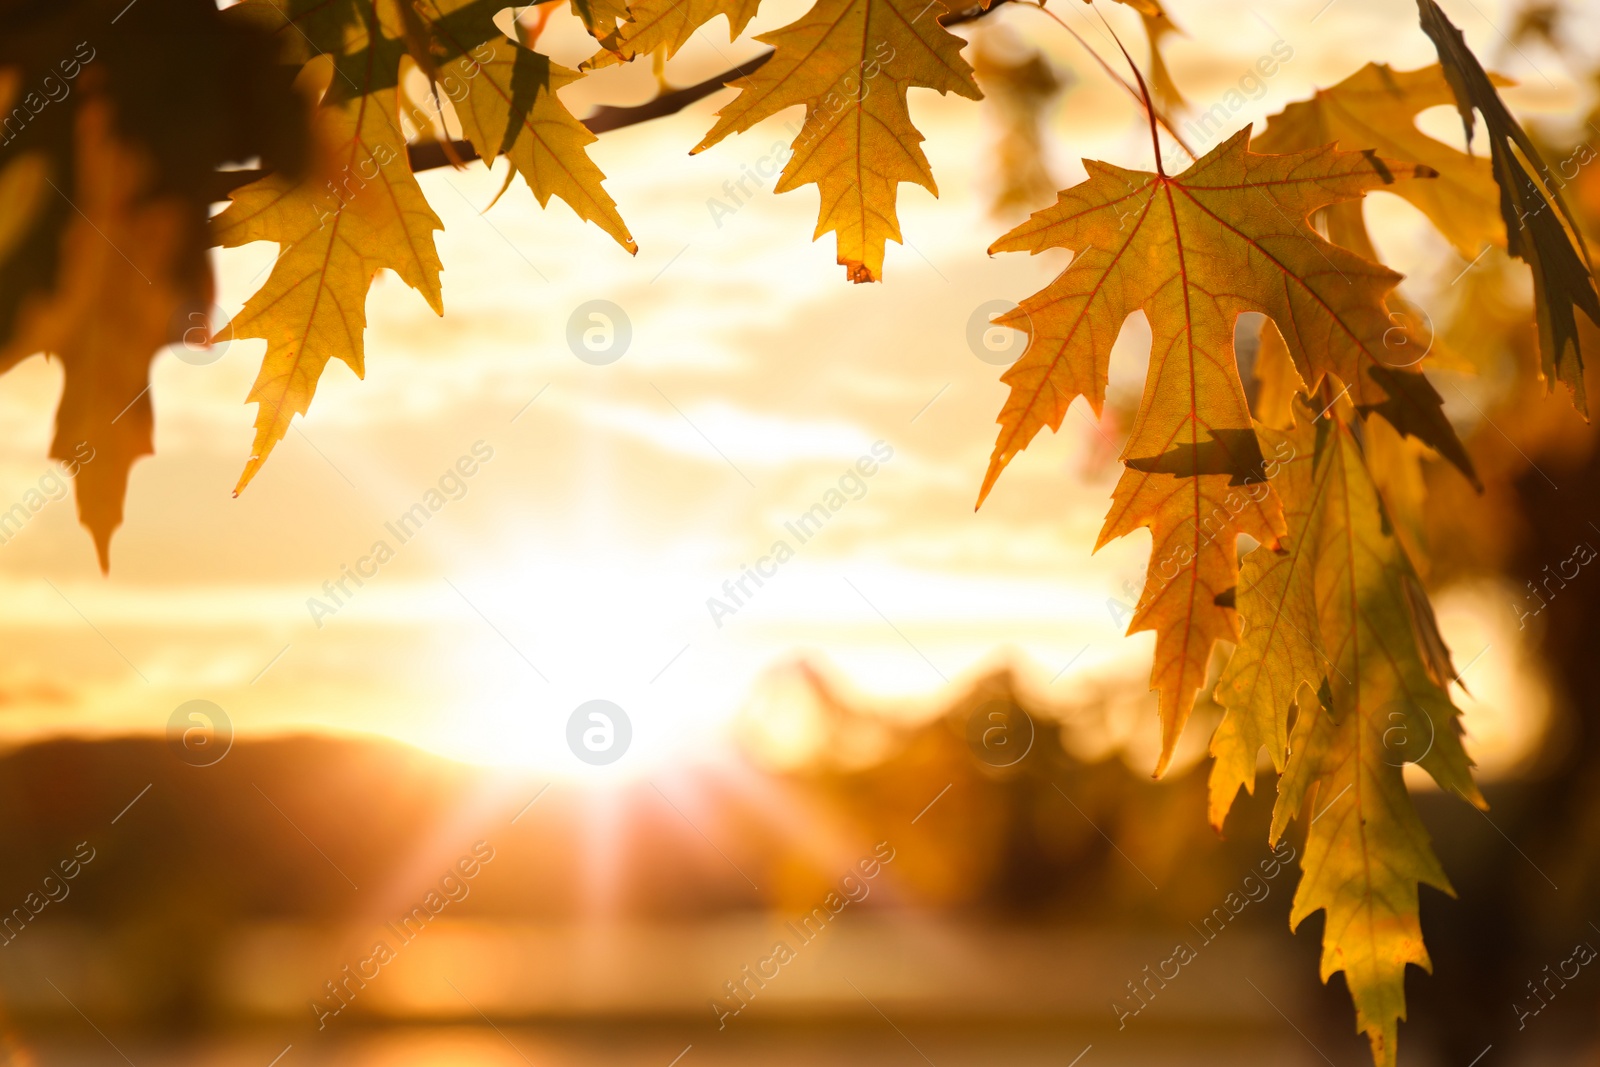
578, 562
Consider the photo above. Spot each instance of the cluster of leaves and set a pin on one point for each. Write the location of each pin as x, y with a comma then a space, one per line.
339, 101
107, 154
118, 120
1338, 669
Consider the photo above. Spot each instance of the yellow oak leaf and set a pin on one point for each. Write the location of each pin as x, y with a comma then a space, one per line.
1277, 655
1375, 109
334, 232
1193, 252
508, 106
1378, 708
666, 25
600, 17
1276, 380
851, 63
1396, 464
365, 211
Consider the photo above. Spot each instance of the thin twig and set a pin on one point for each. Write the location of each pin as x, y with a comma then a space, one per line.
1144, 92
1155, 115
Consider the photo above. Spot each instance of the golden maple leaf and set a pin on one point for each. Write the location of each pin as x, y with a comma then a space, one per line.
667, 25
335, 235
1375, 109
1378, 706
851, 63
1193, 252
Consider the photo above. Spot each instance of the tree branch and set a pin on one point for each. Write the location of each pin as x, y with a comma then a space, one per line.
605, 118
430, 155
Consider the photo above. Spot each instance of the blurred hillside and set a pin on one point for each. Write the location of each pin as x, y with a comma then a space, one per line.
1021, 902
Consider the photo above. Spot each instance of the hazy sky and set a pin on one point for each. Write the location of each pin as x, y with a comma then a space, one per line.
579, 560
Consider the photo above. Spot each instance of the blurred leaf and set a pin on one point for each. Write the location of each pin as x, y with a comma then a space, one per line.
1157, 25
1540, 230
117, 119
108, 313
1018, 84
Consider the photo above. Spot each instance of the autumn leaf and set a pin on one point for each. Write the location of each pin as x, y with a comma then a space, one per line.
107, 160
514, 111
1375, 109
1540, 230
1377, 708
1279, 659
1276, 661
1276, 380
1157, 26
600, 17
365, 211
1193, 252
667, 25
122, 286
312, 307
1018, 87
851, 63
1396, 465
